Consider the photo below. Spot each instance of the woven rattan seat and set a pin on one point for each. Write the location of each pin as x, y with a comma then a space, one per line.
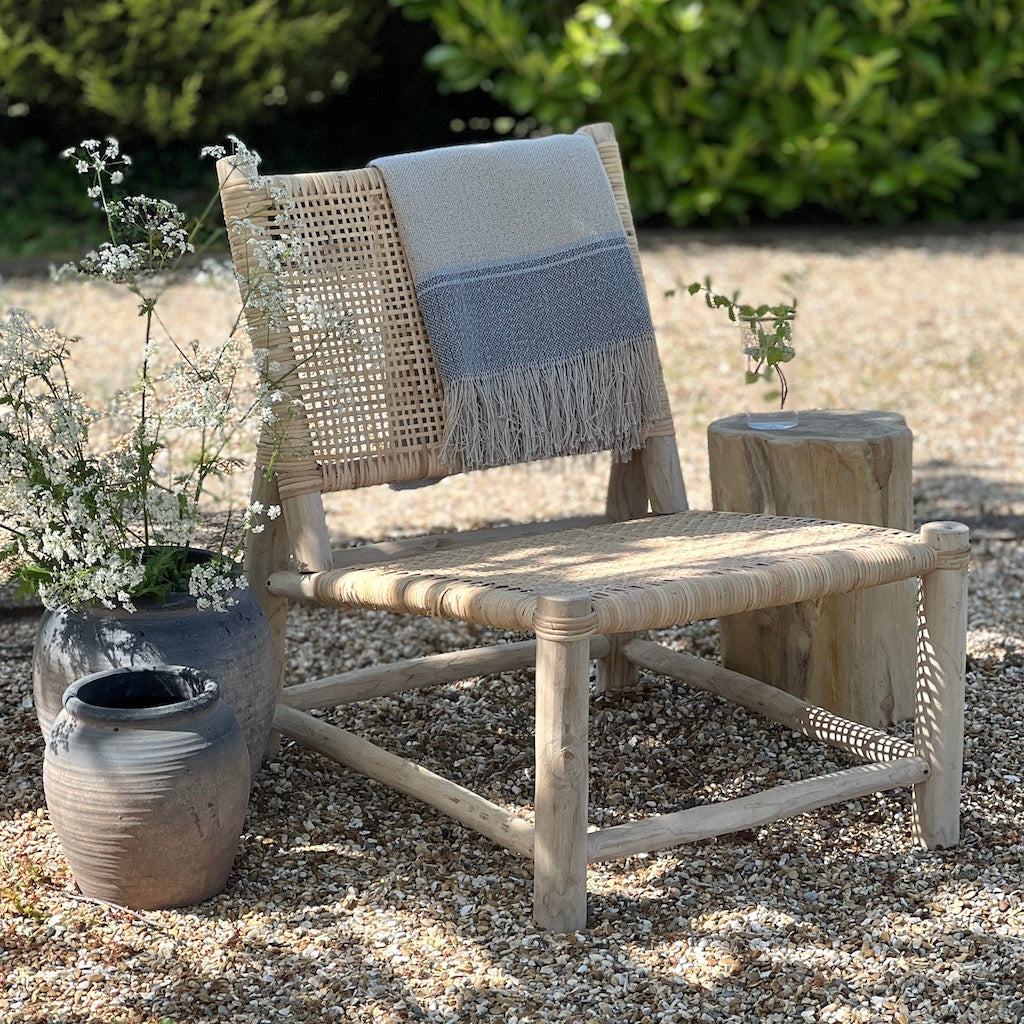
361, 404
652, 572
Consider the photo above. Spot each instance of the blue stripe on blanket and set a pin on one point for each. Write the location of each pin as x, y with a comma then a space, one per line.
482, 320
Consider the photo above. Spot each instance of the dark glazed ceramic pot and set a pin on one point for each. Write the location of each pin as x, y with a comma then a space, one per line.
233, 647
146, 776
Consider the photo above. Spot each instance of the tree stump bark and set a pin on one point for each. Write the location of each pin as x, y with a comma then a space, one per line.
854, 654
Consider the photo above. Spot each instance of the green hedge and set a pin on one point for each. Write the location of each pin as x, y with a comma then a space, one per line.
392, 103
731, 110
167, 71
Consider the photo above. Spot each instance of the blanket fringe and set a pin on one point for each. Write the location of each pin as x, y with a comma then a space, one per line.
593, 401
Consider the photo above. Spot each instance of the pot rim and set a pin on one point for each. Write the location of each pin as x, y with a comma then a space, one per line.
207, 694
176, 602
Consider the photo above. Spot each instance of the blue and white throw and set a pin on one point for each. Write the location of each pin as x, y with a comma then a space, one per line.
531, 299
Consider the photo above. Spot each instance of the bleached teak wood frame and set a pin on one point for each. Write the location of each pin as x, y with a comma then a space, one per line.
369, 406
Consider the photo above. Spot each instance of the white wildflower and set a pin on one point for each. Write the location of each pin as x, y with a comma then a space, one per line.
76, 523
212, 585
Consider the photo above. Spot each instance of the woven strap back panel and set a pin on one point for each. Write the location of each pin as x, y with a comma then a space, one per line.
338, 320
362, 399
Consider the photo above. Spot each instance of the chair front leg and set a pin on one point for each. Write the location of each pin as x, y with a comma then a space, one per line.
939, 714
267, 552
564, 625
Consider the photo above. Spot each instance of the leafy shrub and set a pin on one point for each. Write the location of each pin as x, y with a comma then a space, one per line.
729, 110
171, 71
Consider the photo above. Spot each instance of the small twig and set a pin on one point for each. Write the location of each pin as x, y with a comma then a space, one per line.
134, 914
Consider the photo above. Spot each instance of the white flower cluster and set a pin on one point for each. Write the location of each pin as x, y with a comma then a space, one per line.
272, 405
56, 507
74, 524
100, 159
212, 583
84, 526
248, 160
253, 513
200, 393
266, 288
148, 236
279, 251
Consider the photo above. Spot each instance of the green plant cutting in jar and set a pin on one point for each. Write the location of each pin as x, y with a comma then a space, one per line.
767, 335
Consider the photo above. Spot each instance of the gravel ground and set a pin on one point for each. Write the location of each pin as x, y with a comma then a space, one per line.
350, 903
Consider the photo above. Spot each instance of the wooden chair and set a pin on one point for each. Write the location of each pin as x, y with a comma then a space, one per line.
587, 590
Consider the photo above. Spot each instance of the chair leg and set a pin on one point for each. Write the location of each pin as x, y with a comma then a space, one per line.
615, 672
564, 625
266, 553
939, 715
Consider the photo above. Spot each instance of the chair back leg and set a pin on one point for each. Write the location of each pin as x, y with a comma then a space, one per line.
615, 672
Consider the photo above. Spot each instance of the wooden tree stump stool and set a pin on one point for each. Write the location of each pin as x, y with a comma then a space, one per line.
853, 654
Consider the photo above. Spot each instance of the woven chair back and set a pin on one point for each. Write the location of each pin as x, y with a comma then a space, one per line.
340, 327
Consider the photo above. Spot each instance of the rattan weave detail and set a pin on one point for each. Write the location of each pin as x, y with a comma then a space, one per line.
371, 398
652, 572
370, 394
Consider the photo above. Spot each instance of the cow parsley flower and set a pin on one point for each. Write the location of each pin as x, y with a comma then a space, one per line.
112, 524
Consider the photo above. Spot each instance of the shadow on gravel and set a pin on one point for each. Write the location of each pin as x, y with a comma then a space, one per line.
992, 508
976, 239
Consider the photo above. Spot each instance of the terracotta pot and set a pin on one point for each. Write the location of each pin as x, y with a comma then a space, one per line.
146, 776
232, 647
